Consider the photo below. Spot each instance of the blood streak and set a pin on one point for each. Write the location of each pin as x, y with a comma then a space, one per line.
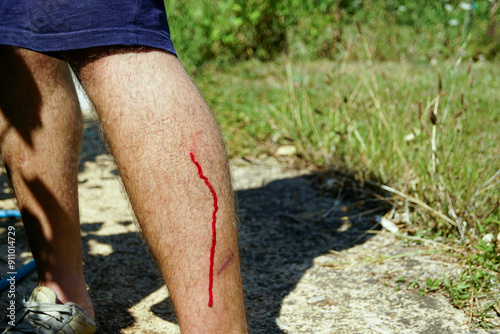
214, 231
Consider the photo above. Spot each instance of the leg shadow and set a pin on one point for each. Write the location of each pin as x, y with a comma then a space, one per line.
288, 223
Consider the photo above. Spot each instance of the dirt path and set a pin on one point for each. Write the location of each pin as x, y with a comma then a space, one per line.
302, 273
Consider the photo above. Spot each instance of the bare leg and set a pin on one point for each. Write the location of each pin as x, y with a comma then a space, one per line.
154, 118
40, 136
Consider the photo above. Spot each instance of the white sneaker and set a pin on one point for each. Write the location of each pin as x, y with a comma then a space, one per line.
40, 314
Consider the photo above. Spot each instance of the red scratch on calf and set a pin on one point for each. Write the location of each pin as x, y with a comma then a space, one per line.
214, 231
224, 265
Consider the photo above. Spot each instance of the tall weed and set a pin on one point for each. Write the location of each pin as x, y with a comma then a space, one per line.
427, 139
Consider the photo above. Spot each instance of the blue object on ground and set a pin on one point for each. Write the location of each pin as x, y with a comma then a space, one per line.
20, 274
24, 270
10, 213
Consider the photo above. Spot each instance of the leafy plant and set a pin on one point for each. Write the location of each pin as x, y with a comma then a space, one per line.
432, 284
231, 30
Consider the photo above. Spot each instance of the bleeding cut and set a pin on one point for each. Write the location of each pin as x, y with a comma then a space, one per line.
214, 231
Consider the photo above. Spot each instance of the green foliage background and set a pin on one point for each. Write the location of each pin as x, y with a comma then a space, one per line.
230, 30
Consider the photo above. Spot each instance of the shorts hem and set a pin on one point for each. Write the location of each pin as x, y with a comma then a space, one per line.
86, 39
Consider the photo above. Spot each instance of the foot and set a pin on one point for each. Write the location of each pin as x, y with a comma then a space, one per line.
42, 313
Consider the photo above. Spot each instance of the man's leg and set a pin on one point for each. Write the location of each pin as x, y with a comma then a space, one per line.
40, 136
154, 118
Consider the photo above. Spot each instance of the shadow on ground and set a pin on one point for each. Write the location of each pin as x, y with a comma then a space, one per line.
92, 145
284, 226
280, 235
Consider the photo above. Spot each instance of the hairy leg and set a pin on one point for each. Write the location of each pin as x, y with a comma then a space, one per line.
40, 136
154, 119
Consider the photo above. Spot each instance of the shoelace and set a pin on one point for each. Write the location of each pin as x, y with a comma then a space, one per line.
32, 315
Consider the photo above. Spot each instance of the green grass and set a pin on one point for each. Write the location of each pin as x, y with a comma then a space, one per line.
361, 118
378, 122
366, 112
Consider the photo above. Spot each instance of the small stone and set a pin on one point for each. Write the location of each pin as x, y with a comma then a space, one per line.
316, 299
388, 224
286, 150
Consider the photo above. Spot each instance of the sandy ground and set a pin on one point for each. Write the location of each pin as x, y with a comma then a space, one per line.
313, 257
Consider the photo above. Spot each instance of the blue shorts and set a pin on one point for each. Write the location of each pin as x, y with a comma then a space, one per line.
49, 26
